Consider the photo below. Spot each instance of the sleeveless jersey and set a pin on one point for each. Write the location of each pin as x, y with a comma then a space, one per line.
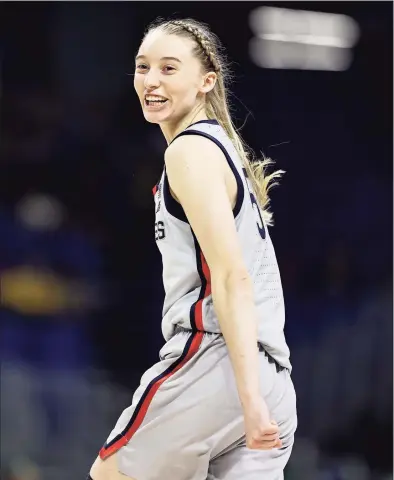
186, 277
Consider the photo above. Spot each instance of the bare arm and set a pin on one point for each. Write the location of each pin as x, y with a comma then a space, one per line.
196, 172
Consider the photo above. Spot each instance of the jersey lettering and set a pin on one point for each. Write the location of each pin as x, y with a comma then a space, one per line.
159, 230
158, 198
256, 208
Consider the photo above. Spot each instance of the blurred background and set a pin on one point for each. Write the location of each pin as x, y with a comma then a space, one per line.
80, 273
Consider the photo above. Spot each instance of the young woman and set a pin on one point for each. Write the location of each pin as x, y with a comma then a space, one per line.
220, 404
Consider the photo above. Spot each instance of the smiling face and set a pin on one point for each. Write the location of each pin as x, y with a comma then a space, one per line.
169, 79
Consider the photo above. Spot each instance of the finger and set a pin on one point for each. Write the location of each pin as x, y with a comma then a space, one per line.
278, 444
273, 429
268, 437
270, 443
257, 446
264, 445
275, 443
264, 436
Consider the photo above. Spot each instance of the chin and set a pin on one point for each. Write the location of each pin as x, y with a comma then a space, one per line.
157, 117
151, 118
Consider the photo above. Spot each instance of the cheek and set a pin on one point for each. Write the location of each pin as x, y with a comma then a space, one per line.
138, 84
185, 92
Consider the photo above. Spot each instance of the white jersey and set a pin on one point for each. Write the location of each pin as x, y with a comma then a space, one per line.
186, 277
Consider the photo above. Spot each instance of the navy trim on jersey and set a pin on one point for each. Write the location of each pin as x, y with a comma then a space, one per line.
175, 208
210, 122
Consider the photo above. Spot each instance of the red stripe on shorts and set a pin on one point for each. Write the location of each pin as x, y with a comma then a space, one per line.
142, 407
191, 349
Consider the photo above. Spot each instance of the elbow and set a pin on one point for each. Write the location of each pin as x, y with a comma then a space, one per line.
234, 280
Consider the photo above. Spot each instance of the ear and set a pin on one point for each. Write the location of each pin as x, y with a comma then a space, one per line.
208, 82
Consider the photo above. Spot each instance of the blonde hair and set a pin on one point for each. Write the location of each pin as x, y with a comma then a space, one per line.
209, 51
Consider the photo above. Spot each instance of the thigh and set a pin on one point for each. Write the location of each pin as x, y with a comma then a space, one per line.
178, 415
107, 469
240, 462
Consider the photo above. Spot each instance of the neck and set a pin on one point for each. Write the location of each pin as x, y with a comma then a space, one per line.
170, 131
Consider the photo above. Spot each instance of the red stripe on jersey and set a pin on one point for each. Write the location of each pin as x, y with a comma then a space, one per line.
142, 407
154, 190
205, 292
207, 275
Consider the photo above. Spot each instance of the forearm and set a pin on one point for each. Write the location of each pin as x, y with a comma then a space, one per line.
234, 305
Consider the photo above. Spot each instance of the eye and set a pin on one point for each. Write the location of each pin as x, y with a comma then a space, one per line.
168, 68
141, 66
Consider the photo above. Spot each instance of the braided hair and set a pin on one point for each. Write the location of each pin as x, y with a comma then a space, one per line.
203, 41
209, 51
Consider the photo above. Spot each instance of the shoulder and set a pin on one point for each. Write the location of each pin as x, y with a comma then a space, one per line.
196, 170
194, 151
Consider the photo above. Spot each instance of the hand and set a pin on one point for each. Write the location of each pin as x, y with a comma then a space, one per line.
262, 433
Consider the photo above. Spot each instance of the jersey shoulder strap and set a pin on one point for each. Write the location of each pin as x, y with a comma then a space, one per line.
211, 130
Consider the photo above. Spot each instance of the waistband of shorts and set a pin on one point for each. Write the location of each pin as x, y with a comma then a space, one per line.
271, 359
181, 329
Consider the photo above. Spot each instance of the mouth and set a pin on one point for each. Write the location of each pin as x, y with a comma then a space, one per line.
154, 101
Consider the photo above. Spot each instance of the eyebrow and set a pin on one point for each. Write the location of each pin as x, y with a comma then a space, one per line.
138, 57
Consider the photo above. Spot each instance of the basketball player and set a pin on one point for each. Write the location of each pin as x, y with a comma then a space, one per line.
220, 403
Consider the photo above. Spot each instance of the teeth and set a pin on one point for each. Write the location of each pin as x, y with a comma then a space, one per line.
155, 99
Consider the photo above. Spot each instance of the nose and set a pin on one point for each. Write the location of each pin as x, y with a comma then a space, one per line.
152, 80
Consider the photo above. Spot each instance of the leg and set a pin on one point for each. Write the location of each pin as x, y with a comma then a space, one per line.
107, 469
172, 426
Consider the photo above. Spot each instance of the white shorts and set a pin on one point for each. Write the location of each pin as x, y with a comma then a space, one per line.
186, 421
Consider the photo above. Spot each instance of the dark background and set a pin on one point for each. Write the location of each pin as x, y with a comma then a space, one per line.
80, 273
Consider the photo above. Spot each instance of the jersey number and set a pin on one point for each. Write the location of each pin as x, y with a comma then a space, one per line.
159, 230
256, 208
